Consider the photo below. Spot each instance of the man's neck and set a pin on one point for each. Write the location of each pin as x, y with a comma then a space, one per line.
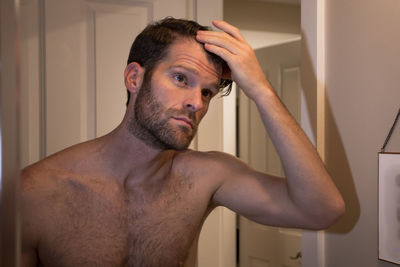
128, 157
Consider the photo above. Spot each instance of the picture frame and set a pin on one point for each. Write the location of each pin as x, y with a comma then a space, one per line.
389, 207
389, 202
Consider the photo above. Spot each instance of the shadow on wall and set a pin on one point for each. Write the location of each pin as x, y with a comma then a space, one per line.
338, 166
335, 156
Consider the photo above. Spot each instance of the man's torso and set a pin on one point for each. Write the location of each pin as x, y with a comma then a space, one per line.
92, 221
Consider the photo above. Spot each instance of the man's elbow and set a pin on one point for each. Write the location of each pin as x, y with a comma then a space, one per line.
330, 215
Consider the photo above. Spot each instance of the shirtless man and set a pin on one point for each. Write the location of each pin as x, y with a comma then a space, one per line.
137, 196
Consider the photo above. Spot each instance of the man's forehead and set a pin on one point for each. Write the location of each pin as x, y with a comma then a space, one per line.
192, 54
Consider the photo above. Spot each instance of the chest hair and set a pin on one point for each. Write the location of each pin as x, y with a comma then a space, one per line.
154, 224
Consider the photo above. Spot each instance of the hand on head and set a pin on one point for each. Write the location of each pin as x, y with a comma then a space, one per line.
231, 46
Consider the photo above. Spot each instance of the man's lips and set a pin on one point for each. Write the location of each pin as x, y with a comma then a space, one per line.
185, 120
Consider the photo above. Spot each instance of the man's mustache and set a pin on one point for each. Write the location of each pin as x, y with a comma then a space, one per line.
182, 113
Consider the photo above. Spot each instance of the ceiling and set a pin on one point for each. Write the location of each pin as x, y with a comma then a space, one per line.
261, 39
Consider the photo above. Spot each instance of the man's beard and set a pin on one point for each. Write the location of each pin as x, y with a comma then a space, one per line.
150, 122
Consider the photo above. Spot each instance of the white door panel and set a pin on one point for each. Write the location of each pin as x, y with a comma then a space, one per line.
114, 30
64, 73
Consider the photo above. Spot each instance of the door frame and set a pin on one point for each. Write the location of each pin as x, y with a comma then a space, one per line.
313, 79
313, 71
9, 134
217, 246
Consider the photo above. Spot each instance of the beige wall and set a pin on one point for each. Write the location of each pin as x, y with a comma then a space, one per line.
362, 98
363, 95
258, 15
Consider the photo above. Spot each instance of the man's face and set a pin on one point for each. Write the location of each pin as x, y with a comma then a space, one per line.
171, 104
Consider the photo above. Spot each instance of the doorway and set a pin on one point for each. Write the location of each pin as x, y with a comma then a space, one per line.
272, 28
263, 245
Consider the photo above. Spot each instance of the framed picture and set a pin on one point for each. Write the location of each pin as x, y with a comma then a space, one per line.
389, 207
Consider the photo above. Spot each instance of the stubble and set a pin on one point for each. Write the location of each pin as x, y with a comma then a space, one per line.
150, 122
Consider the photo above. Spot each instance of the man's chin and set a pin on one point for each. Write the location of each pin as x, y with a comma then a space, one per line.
182, 138
182, 145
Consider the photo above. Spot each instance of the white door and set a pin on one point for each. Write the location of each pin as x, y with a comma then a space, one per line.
74, 55
263, 246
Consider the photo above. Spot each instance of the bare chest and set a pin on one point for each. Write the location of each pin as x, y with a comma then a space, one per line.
149, 226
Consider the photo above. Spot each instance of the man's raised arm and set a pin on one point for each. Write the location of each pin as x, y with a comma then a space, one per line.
307, 198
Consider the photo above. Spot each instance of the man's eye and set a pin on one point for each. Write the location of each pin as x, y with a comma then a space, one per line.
207, 93
180, 78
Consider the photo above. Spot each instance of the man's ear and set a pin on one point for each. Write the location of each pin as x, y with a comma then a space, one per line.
134, 74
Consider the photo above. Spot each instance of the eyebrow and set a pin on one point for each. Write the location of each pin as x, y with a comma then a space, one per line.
192, 70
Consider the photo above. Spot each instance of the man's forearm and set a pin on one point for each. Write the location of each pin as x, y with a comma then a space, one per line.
309, 185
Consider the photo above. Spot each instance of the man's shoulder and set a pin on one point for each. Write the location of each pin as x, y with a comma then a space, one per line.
47, 182
206, 162
37, 174
44, 170
60, 162
43, 190
45, 176
193, 156
39, 182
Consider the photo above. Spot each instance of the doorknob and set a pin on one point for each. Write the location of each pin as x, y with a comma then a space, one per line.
298, 256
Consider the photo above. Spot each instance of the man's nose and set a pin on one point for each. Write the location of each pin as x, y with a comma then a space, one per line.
193, 101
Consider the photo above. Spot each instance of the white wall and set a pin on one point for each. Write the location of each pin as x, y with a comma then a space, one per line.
363, 96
